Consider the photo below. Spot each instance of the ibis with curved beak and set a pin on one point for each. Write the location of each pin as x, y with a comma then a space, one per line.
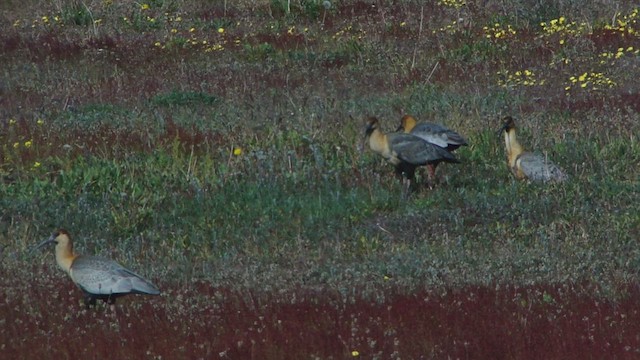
527, 165
97, 277
404, 151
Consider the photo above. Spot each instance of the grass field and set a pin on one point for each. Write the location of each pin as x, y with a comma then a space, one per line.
213, 147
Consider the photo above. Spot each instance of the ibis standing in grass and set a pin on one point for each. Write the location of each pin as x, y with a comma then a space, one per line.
404, 151
433, 133
99, 278
527, 165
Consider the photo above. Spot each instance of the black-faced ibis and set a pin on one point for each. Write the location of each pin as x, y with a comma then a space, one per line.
99, 278
433, 133
527, 165
404, 151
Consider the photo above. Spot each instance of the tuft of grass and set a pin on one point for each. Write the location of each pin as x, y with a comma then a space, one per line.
180, 98
77, 14
258, 52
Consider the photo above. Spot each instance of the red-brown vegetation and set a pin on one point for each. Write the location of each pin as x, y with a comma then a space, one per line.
200, 320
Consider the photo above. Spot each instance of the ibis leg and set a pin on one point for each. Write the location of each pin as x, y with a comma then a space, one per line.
89, 301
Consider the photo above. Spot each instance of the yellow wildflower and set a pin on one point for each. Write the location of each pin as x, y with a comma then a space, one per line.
40, 122
36, 165
144, 7
220, 30
355, 353
28, 144
237, 151
16, 145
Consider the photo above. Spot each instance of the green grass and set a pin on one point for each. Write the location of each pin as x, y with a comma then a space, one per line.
296, 197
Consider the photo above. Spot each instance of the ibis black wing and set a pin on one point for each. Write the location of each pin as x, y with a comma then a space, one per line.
439, 135
416, 151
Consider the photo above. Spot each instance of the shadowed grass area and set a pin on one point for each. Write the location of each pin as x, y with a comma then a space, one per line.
214, 148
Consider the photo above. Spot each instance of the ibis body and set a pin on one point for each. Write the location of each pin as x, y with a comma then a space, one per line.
97, 277
528, 165
405, 151
433, 133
